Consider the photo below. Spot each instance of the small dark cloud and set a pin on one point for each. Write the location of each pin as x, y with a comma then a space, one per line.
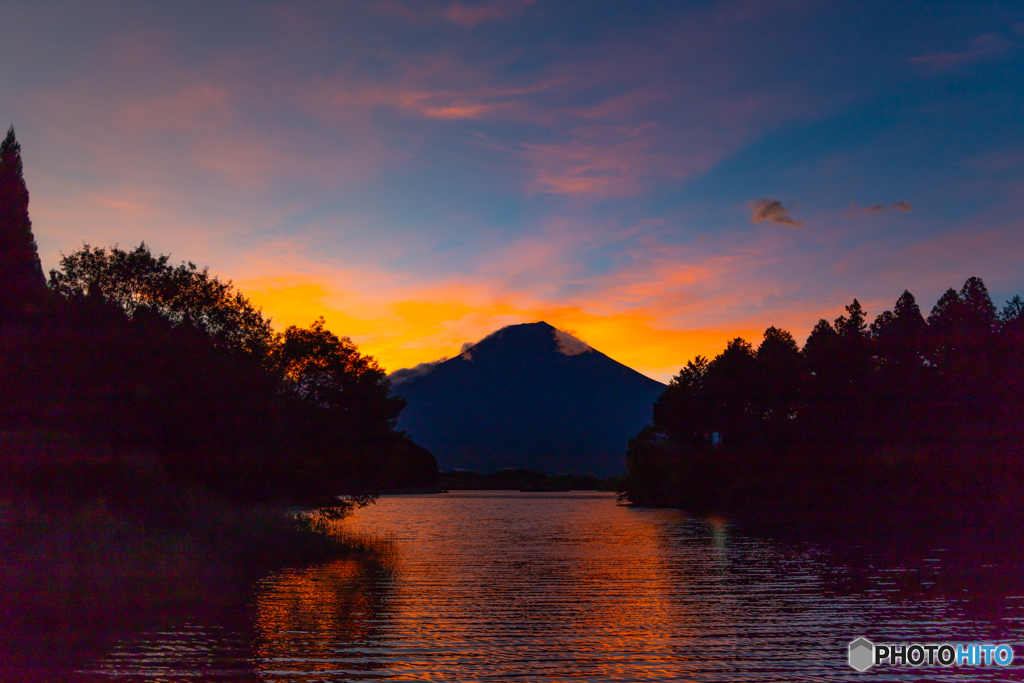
399, 377
855, 210
773, 211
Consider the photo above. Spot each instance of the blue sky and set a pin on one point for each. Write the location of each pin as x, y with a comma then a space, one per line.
654, 177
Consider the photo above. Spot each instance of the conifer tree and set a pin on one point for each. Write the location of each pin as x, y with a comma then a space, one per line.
22, 284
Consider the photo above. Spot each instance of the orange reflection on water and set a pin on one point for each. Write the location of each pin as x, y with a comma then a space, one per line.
485, 586
302, 615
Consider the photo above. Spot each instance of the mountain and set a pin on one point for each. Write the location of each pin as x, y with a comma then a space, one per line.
527, 396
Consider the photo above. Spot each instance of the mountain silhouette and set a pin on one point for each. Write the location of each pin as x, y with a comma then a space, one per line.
527, 396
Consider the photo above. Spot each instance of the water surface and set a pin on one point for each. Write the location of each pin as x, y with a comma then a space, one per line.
504, 586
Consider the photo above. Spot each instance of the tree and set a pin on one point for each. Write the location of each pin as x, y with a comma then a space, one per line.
1011, 318
778, 377
682, 409
898, 333
184, 294
328, 371
818, 348
961, 323
729, 390
22, 285
855, 326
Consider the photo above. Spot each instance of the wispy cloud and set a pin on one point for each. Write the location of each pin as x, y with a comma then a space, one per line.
462, 14
772, 211
999, 160
400, 377
985, 47
470, 15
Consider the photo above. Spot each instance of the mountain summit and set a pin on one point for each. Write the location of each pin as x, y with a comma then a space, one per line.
527, 396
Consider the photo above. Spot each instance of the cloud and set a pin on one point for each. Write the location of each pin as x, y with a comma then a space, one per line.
569, 345
400, 377
466, 350
472, 15
984, 48
466, 15
855, 210
999, 160
773, 211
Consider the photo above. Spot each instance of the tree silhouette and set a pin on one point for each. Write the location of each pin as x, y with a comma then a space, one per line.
184, 294
819, 347
899, 333
330, 373
778, 379
22, 285
729, 390
855, 326
1011, 318
683, 408
912, 418
960, 324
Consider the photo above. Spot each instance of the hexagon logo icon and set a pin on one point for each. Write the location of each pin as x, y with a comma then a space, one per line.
862, 654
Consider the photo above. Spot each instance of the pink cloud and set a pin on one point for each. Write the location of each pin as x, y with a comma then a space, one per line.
466, 15
195, 107
984, 48
608, 124
471, 15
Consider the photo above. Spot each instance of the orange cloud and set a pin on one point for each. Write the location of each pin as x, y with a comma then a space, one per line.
459, 110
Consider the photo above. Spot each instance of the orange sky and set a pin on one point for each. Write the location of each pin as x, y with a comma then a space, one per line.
406, 331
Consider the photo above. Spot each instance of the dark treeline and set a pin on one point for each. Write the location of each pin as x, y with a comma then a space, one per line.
521, 480
123, 352
905, 417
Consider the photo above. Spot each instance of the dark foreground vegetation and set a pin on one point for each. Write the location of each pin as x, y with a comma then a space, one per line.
910, 420
155, 430
521, 480
123, 350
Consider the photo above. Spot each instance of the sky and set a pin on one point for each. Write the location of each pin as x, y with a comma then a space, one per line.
655, 178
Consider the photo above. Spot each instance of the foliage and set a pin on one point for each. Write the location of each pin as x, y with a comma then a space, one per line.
183, 294
22, 285
330, 373
860, 411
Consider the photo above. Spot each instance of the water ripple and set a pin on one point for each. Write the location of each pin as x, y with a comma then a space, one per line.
567, 587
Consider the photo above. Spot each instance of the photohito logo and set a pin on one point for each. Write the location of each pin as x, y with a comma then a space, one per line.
864, 654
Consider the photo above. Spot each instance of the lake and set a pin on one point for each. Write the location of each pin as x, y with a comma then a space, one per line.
502, 586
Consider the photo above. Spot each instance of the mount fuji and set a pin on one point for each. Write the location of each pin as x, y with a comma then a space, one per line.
527, 396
